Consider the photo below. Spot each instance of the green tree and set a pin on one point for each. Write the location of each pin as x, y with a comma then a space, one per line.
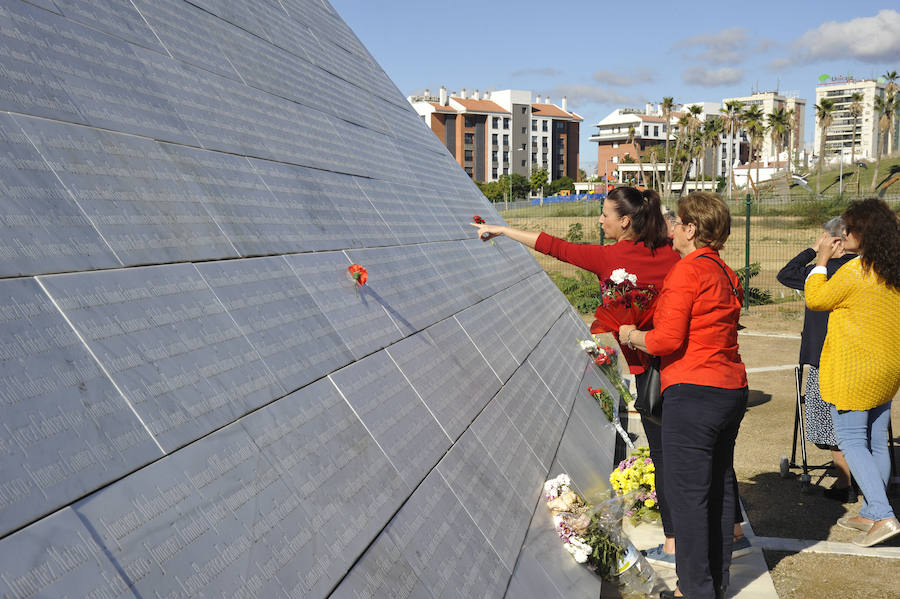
710, 133
560, 184
779, 123
886, 106
637, 150
667, 105
493, 190
520, 186
538, 178
856, 111
731, 115
756, 130
824, 118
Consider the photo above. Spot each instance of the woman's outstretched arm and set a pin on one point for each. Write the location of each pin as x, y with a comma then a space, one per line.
525, 237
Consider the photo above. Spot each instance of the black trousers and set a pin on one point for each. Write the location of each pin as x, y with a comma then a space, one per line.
700, 425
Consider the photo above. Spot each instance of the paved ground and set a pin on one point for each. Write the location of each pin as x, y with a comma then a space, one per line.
801, 553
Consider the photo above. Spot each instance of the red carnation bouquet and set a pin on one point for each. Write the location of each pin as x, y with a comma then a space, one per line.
605, 400
624, 302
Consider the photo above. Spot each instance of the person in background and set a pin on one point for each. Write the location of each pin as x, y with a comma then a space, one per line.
859, 370
705, 393
819, 428
633, 219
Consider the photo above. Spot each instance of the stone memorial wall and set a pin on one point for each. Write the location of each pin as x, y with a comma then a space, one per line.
197, 401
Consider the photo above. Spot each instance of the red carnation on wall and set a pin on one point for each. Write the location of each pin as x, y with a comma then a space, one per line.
359, 274
478, 220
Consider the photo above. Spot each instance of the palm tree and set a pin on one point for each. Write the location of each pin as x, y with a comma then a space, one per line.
855, 110
713, 128
779, 124
637, 151
890, 92
732, 117
667, 105
824, 109
886, 106
756, 129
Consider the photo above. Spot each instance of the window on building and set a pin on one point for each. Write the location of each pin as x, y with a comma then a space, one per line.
505, 171
494, 156
544, 125
470, 121
534, 125
646, 130
494, 173
506, 140
655, 130
470, 138
494, 139
523, 130
523, 164
496, 122
534, 139
469, 155
524, 109
468, 170
506, 123
523, 147
665, 127
560, 126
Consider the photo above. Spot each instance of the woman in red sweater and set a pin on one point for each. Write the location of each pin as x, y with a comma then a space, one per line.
705, 389
634, 220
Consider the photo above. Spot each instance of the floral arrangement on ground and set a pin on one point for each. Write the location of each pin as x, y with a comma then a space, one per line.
637, 475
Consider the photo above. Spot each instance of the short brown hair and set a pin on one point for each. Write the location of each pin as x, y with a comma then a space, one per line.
708, 212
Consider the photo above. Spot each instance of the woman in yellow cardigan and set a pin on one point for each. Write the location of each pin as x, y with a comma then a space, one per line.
860, 364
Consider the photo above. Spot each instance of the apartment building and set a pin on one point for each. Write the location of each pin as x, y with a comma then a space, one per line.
769, 101
650, 128
501, 132
841, 136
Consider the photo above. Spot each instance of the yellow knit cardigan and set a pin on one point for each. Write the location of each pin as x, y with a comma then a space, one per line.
860, 364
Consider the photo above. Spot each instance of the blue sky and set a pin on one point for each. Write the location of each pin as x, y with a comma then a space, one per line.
605, 55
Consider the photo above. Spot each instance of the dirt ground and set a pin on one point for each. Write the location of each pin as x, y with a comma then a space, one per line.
777, 506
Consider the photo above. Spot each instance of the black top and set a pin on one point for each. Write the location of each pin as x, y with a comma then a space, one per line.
815, 324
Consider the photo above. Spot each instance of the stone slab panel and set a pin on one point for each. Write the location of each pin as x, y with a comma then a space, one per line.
170, 345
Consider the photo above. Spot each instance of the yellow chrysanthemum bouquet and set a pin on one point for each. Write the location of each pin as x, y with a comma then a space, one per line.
636, 475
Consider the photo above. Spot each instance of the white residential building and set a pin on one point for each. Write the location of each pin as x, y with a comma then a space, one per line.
841, 136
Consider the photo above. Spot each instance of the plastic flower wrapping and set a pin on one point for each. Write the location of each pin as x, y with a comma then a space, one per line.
607, 359
592, 534
605, 400
636, 477
624, 302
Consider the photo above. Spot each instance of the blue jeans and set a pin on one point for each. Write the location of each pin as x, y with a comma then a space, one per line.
862, 436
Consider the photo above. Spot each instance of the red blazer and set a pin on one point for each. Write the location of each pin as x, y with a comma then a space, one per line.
695, 324
650, 267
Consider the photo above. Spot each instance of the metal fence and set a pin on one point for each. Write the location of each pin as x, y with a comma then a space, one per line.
779, 228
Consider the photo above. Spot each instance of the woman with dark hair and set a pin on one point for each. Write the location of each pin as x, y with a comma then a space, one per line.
860, 363
704, 385
819, 427
634, 220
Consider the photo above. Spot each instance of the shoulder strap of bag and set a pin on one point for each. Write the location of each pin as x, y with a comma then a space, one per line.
727, 278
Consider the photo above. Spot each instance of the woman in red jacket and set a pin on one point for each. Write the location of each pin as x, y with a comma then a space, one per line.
634, 220
705, 389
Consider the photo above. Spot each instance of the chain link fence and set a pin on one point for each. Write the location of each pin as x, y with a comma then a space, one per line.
779, 228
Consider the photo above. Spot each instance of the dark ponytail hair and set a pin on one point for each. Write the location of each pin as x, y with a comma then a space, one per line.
875, 225
644, 208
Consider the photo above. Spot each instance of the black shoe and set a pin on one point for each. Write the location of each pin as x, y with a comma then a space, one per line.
667, 594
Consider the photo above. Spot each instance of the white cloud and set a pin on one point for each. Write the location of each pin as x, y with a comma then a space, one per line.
545, 71
624, 79
868, 39
699, 75
778, 64
729, 46
580, 94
